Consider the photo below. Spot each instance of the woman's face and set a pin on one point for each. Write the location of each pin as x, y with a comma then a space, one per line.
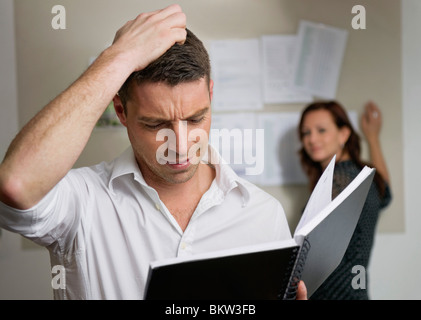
321, 138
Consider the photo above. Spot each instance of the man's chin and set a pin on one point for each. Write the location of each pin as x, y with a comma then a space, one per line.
179, 173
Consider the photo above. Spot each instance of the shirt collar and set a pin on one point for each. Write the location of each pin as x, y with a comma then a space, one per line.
226, 179
126, 164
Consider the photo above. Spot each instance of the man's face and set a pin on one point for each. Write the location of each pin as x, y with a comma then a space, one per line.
155, 110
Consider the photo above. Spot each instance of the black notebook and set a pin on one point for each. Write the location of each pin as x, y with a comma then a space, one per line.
272, 270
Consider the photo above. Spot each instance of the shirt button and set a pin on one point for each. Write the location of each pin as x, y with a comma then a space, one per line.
157, 206
183, 245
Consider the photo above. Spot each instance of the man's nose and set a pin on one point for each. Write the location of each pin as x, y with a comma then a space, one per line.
180, 145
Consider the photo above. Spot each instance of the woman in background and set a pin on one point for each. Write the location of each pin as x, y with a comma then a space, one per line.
325, 131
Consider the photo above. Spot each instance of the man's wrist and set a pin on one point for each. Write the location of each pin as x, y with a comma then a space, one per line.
119, 61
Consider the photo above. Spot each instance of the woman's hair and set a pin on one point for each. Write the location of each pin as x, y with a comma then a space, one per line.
314, 169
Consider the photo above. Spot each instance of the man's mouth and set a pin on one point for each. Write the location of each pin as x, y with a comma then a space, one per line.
179, 164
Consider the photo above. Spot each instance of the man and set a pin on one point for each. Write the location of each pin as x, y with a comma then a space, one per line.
105, 223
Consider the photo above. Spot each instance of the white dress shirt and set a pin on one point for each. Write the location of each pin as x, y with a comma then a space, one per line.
104, 225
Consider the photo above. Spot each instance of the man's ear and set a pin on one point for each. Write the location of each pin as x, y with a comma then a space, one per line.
211, 89
119, 110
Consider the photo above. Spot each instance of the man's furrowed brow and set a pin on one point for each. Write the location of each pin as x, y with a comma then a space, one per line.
157, 119
198, 113
152, 119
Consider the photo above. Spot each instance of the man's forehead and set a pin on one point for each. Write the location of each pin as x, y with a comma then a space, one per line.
161, 90
154, 99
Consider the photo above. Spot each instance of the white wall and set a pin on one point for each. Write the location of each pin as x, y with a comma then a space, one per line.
23, 274
397, 257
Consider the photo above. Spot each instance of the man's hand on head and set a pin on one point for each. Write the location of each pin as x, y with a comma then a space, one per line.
150, 35
26, 174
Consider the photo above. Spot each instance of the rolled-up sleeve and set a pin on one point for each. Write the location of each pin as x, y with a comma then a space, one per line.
55, 217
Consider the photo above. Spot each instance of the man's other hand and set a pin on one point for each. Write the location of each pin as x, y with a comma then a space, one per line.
302, 291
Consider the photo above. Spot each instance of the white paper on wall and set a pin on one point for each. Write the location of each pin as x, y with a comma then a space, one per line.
236, 73
319, 56
278, 52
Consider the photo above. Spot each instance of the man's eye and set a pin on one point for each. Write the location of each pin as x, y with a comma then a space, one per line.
197, 120
153, 126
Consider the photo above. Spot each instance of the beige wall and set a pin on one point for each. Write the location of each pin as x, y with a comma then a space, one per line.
49, 60
24, 274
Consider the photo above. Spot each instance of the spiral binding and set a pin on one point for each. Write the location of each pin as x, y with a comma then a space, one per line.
287, 275
291, 291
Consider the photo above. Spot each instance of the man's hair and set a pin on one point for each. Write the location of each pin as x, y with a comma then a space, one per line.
181, 63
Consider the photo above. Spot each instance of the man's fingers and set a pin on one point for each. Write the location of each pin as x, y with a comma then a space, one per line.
177, 24
168, 19
302, 291
149, 35
179, 35
176, 20
171, 13
160, 14
168, 11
